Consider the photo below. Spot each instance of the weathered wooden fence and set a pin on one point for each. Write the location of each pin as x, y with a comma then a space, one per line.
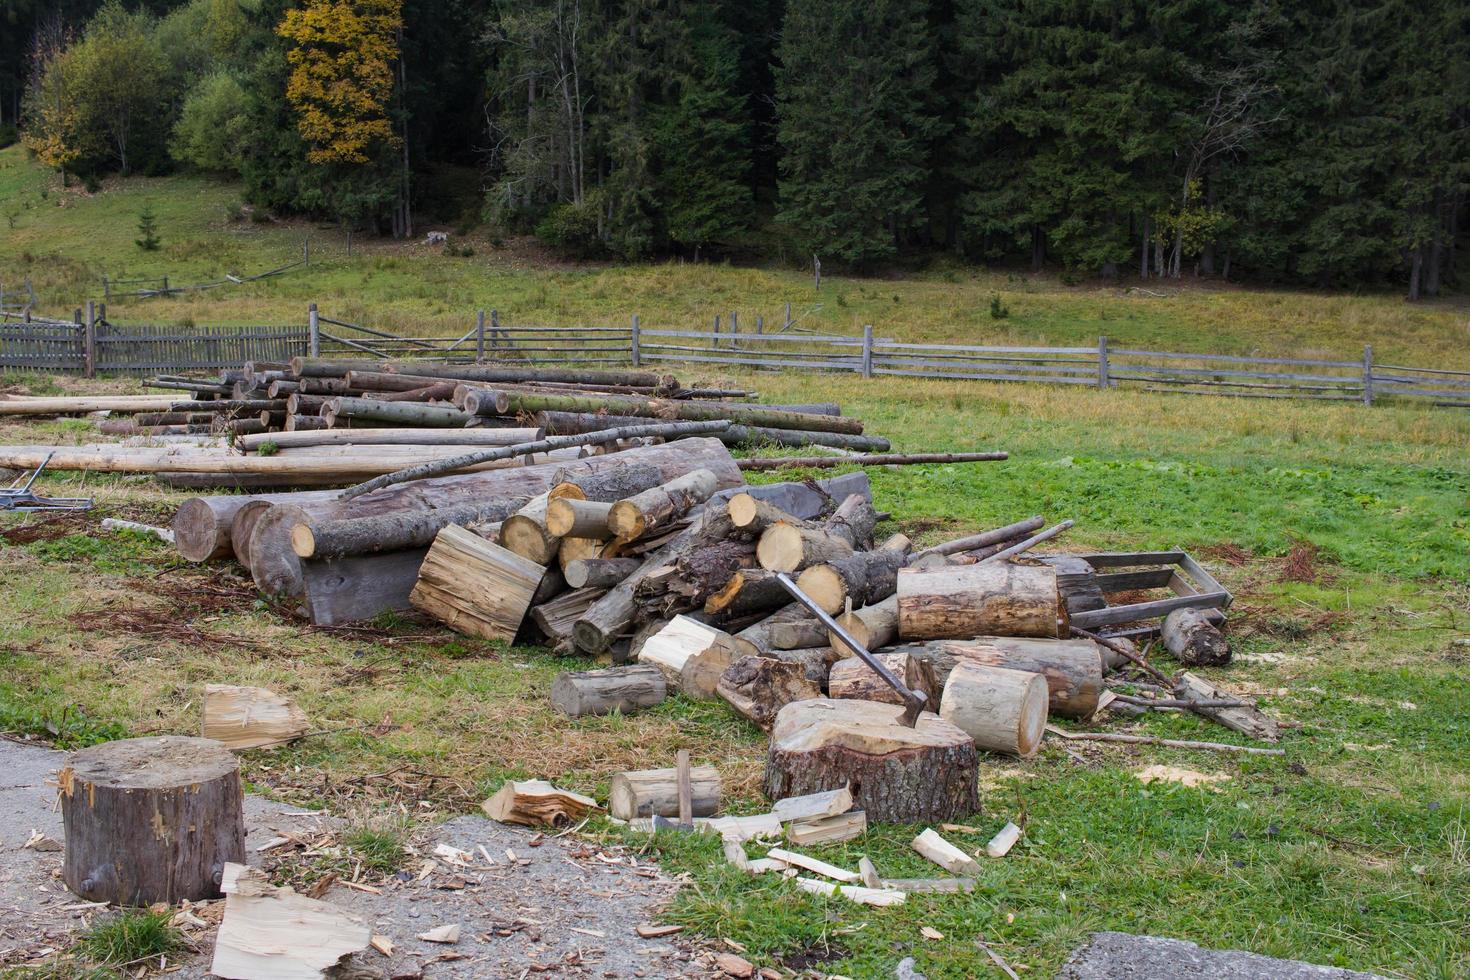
57, 345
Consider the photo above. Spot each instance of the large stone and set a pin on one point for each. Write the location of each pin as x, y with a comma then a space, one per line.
1121, 956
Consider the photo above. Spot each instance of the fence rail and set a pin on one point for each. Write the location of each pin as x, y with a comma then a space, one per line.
62, 345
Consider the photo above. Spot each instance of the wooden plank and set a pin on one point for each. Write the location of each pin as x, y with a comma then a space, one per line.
1116, 615
1235, 358
1148, 578
1113, 559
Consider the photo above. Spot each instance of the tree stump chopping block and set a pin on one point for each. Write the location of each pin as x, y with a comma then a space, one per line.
151, 820
897, 774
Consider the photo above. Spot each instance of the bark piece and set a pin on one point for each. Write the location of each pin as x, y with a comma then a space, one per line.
535, 802
897, 774
759, 687
626, 689
273, 932
1248, 720
474, 586
649, 792
970, 600
852, 678
250, 717
660, 506
1193, 640
1002, 710
151, 819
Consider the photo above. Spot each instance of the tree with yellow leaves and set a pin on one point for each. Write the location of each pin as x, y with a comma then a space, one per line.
342, 54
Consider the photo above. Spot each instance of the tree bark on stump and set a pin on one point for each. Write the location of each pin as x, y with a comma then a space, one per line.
151, 820
924, 774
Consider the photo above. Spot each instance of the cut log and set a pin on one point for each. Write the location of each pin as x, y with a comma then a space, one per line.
803, 501
580, 518
796, 634
852, 678
1002, 710
1248, 720
828, 830
759, 687
747, 591
649, 792
399, 413
416, 436
526, 402
151, 820
474, 586
1072, 669
556, 616
327, 367
964, 601
945, 854
600, 573
655, 508
357, 587
860, 579
873, 626
671, 647
753, 515
705, 572
816, 662
625, 689
897, 774
273, 932
786, 547
758, 640
525, 533
1193, 640
250, 717
577, 549
699, 677
535, 802
814, 806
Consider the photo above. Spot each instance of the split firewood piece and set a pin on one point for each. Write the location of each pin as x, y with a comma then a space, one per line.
699, 677
566, 516
853, 678
945, 854
556, 616
629, 688
1073, 670
859, 579
273, 932
748, 590
930, 885
533, 802
650, 792
1003, 710
964, 601
601, 573
1000, 845
659, 506
671, 647
474, 586
1248, 720
759, 687
250, 717
786, 547
526, 534
873, 626
578, 549
815, 866
1193, 640
752, 515
898, 774
828, 830
869, 873
813, 806
857, 893
746, 828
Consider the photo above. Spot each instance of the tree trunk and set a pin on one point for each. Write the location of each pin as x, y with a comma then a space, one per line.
151, 820
650, 792
525, 403
1003, 710
897, 774
601, 692
1416, 269
972, 600
402, 413
752, 515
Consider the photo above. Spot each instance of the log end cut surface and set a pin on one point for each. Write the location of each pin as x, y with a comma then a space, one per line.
151, 763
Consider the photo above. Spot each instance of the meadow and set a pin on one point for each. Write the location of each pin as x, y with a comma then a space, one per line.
1344, 532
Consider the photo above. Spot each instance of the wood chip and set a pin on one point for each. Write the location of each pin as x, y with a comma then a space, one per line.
929, 933
735, 966
441, 934
382, 944
648, 931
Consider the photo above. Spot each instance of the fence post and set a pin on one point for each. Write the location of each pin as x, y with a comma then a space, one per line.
1367, 374
1103, 378
635, 344
787, 325
867, 350
316, 331
89, 341
306, 251
165, 285
479, 336
714, 343
496, 332
106, 290
734, 330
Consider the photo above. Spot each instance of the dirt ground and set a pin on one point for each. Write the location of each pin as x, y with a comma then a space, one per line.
557, 908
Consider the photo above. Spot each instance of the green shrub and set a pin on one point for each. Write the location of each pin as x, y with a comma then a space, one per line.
130, 936
572, 228
998, 309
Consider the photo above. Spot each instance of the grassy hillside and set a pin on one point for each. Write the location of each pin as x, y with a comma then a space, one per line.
65, 240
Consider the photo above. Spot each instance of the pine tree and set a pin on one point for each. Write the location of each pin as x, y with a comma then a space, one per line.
856, 125
148, 230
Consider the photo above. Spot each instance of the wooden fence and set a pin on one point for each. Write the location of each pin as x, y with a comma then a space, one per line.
56, 345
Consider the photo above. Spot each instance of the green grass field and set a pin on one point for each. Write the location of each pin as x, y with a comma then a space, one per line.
1343, 531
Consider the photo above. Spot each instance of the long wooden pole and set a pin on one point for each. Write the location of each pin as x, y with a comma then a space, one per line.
501, 402
984, 539
870, 459
509, 452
